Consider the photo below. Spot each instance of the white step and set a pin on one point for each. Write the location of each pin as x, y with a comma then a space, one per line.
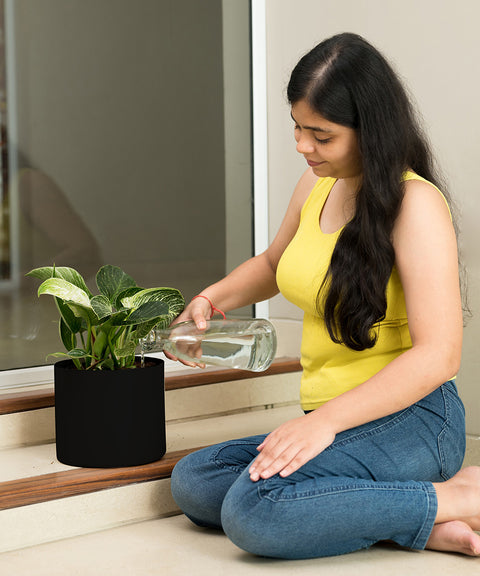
67, 517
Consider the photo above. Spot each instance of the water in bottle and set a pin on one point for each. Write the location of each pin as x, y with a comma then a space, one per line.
248, 344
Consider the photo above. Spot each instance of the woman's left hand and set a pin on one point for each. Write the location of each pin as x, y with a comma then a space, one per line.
291, 446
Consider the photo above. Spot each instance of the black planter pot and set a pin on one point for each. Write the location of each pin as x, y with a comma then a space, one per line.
110, 418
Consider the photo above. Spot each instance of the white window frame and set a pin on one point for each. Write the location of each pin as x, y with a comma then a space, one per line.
11, 85
260, 133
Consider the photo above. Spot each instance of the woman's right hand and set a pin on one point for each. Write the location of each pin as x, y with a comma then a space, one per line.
199, 310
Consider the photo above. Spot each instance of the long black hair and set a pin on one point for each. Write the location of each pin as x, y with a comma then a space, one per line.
348, 82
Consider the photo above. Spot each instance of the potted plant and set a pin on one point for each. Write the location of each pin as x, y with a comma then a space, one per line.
109, 408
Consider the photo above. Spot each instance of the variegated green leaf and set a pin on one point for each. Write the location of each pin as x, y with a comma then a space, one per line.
78, 353
42, 274
112, 280
118, 317
125, 351
124, 294
67, 336
65, 290
164, 321
170, 296
75, 353
101, 306
143, 329
146, 312
85, 312
68, 274
73, 323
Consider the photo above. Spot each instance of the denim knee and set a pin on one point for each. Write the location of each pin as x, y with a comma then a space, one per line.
201, 480
243, 521
189, 495
256, 524
180, 488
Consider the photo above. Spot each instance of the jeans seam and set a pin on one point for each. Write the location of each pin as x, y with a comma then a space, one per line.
398, 418
425, 530
264, 493
442, 433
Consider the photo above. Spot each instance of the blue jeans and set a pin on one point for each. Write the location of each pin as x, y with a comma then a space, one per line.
373, 483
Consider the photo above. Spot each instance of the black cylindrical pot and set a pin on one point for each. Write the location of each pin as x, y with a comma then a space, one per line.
110, 418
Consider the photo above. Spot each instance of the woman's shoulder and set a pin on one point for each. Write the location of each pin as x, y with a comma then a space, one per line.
420, 194
424, 208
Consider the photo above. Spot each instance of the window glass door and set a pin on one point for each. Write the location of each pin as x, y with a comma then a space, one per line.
126, 139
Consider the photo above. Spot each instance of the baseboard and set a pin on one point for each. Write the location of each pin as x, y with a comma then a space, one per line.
472, 455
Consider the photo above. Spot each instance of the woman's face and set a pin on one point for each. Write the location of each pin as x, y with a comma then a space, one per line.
329, 149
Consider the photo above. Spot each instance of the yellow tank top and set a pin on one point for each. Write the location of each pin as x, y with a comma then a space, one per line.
330, 369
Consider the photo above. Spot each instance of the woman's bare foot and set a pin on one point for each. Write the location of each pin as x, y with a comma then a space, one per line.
459, 498
454, 536
458, 514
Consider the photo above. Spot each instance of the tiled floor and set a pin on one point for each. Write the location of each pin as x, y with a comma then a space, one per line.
173, 546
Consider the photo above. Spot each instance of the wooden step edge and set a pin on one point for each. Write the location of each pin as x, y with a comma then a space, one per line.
37, 399
57, 485
216, 375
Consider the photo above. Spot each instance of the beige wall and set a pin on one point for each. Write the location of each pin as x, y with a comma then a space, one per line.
433, 45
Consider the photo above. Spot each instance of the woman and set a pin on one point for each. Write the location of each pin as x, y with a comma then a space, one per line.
368, 250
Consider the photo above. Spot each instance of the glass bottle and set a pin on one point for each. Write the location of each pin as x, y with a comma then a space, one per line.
247, 344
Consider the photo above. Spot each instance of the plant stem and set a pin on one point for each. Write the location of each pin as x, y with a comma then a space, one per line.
77, 363
112, 353
89, 347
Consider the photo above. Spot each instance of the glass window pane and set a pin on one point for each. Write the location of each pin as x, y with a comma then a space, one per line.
128, 144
